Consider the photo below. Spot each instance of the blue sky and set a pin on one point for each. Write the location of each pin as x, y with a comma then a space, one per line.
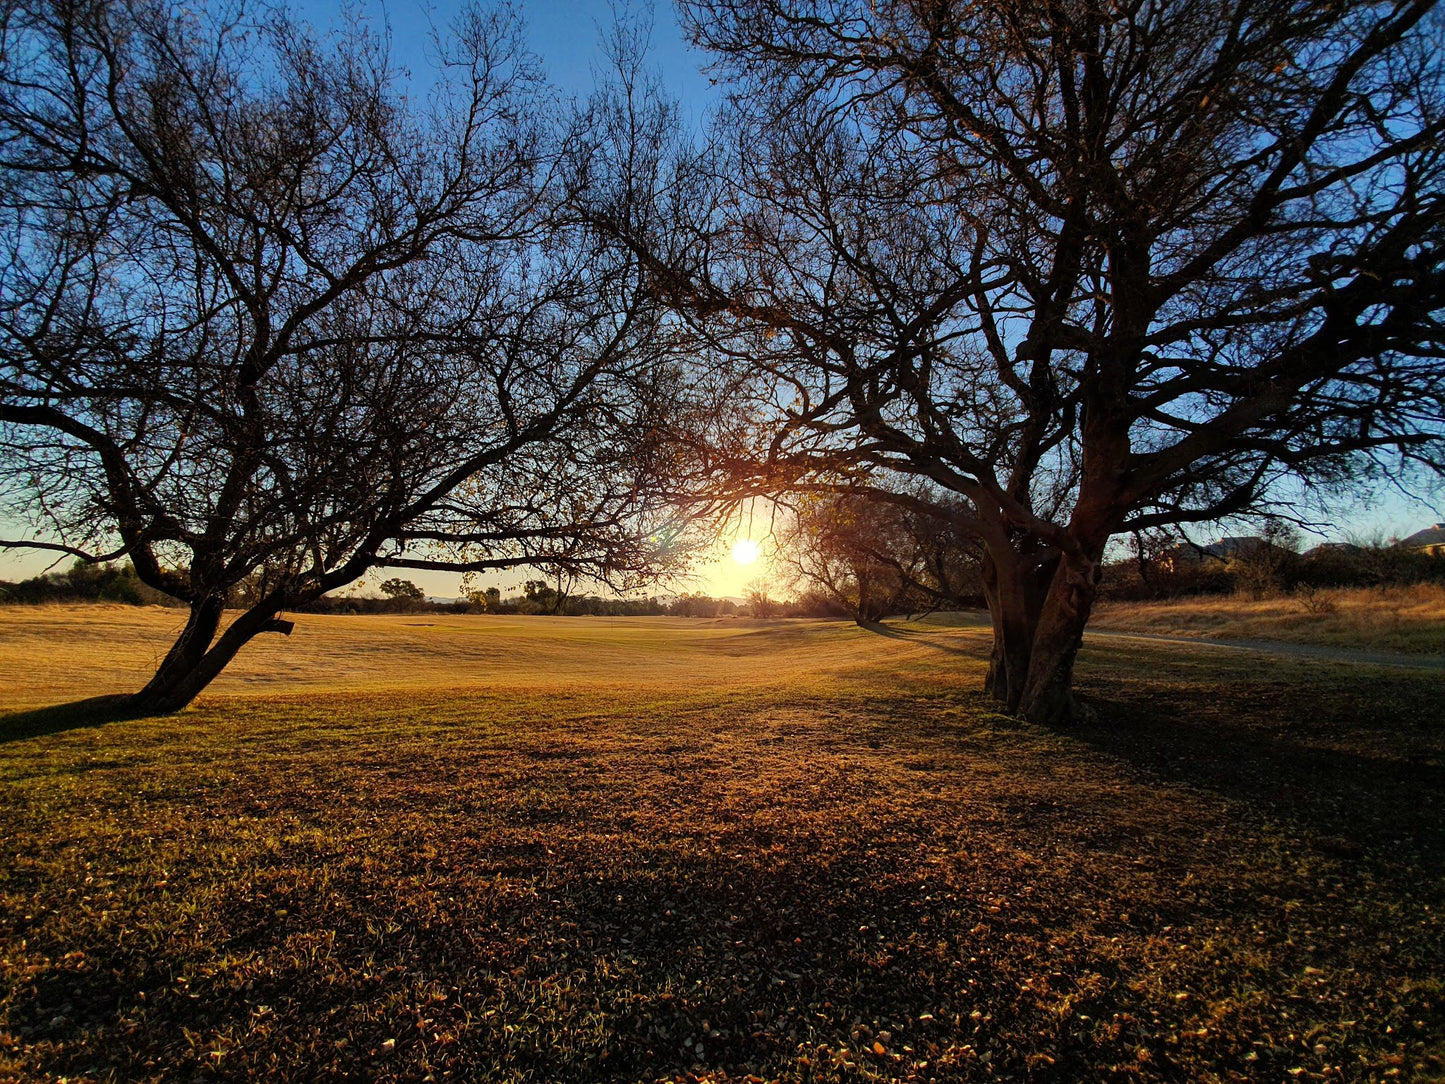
565, 35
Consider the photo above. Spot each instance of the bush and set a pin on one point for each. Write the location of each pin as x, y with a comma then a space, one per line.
1313, 601
1271, 573
84, 582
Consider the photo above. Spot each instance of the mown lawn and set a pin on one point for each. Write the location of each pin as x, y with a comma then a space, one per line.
574, 850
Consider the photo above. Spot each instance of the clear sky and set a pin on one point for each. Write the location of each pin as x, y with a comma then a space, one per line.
567, 36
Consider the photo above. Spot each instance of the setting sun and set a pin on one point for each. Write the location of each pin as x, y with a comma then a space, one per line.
745, 551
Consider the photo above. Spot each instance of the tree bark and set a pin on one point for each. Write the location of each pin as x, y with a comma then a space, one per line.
1014, 587
1048, 696
194, 661
183, 657
871, 607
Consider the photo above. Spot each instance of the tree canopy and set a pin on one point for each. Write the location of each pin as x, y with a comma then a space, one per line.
264, 319
1087, 268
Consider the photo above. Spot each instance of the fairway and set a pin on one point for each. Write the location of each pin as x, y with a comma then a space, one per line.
57, 653
468, 848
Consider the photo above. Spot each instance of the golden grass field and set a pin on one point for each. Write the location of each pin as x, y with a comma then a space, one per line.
52, 654
572, 849
1410, 620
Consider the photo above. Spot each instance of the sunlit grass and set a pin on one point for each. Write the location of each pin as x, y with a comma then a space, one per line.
578, 850
1405, 619
54, 653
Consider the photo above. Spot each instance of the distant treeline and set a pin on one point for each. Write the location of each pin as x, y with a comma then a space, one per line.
543, 599
572, 606
117, 583
84, 582
1271, 569
1268, 569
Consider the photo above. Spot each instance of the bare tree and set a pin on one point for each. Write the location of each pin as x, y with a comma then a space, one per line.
872, 554
1088, 268
847, 549
264, 321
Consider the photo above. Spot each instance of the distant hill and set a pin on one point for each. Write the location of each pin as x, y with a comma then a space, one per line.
1431, 539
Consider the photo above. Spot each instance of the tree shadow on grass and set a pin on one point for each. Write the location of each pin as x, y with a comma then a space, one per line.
671, 928
756, 961
921, 637
58, 718
1356, 782
620, 972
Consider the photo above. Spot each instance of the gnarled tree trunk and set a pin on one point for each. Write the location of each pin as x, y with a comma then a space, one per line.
183, 657
872, 605
198, 656
1048, 696
1014, 587
1039, 602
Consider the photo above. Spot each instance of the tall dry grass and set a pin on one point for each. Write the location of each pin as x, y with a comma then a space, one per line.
1410, 620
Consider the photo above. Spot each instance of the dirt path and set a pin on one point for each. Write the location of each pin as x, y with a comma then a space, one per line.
1281, 647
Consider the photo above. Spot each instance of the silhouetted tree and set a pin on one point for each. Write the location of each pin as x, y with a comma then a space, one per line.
834, 544
760, 601
403, 593
489, 600
543, 597
1087, 268
1262, 570
399, 588
868, 556
263, 321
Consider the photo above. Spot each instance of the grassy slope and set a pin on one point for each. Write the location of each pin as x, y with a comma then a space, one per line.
634, 850
1404, 619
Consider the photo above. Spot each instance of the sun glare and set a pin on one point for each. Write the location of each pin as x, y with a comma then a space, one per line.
745, 551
